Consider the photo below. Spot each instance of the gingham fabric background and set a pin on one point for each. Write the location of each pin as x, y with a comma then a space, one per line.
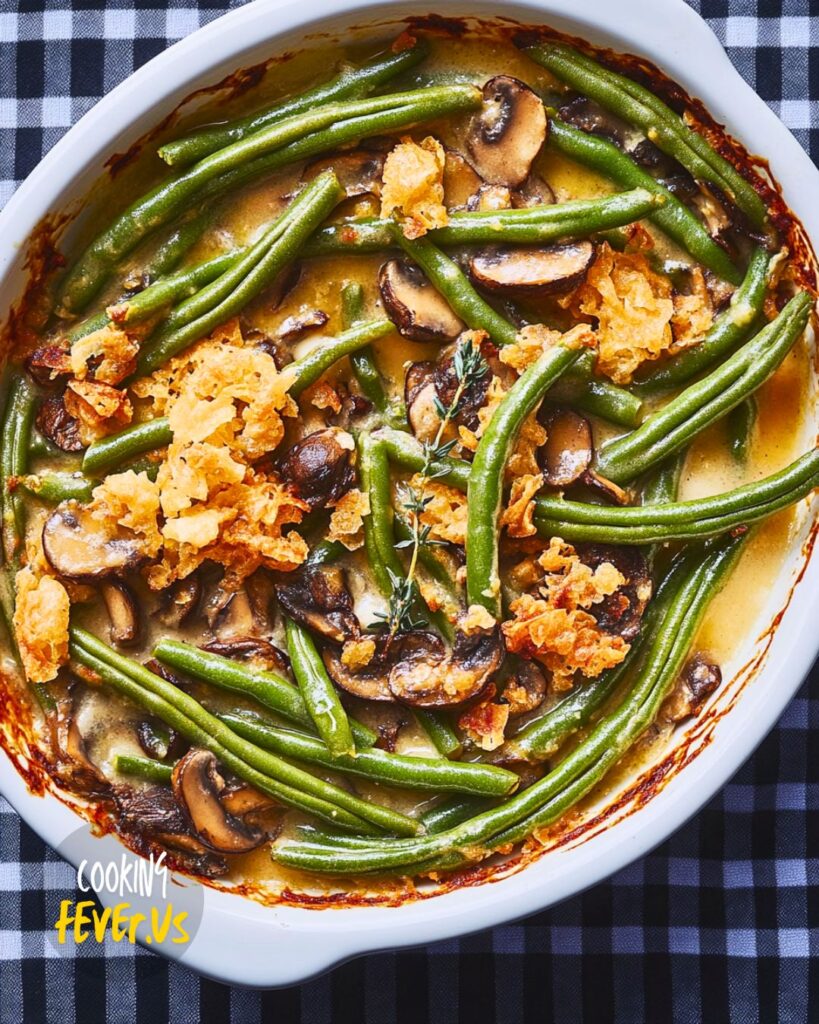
720, 924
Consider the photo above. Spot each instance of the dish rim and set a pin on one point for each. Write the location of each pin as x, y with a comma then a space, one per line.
237, 936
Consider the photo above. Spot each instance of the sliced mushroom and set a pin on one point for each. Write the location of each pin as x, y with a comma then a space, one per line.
420, 398
156, 739
56, 423
622, 611
461, 181
73, 763
568, 450
530, 271
525, 688
83, 548
180, 601
235, 618
294, 326
368, 683
253, 649
699, 679
318, 599
506, 137
358, 170
418, 311
611, 491
197, 785
589, 117
123, 612
319, 467
428, 676
447, 385
240, 799
533, 192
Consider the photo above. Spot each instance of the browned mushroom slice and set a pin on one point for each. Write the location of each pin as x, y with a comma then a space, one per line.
80, 547
368, 683
427, 676
74, 766
420, 398
47, 364
608, 488
461, 181
156, 739
622, 611
533, 192
123, 612
525, 688
253, 649
418, 311
589, 117
56, 423
319, 467
294, 326
447, 385
197, 785
318, 599
568, 450
180, 601
235, 618
699, 679
507, 135
358, 170
240, 799
531, 271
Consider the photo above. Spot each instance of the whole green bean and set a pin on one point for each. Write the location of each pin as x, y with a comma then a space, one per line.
362, 362
110, 451
664, 484
319, 694
598, 397
324, 552
144, 768
14, 445
379, 539
644, 109
727, 331
587, 763
251, 274
190, 710
307, 370
675, 219
740, 423
422, 773
268, 688
452, 812
255, 766
290, 140
403, 449
485, 489
576, 218
681, 419
348, 84
169, 252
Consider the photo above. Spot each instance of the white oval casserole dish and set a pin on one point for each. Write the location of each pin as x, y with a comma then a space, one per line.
244, 942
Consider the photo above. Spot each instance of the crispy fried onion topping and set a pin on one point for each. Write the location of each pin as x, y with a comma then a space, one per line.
41, 624
555, 627
413, 188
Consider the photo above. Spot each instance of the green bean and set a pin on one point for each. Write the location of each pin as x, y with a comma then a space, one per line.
575, 775
439, 732
485, 488
422, 773
113, 450
447, 277
319, 694
675, 219
324, 552
254, 766
740, 422
598, 397
251, 274
144, 768
408, 453
362, 362
577, 218
56, 487
14, 444
110, 451
701, 404
276, 146
350, 83
168, 254
452, 812
189, 711
307, 370
664, 484
379, 539
644, 109
268, 688
727, 331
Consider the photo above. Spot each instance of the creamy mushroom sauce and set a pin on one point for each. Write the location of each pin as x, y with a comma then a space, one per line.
108, 722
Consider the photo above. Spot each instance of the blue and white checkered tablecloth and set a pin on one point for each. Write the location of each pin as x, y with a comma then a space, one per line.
720, 924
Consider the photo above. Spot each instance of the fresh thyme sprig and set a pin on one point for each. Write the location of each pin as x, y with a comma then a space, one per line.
469, 367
